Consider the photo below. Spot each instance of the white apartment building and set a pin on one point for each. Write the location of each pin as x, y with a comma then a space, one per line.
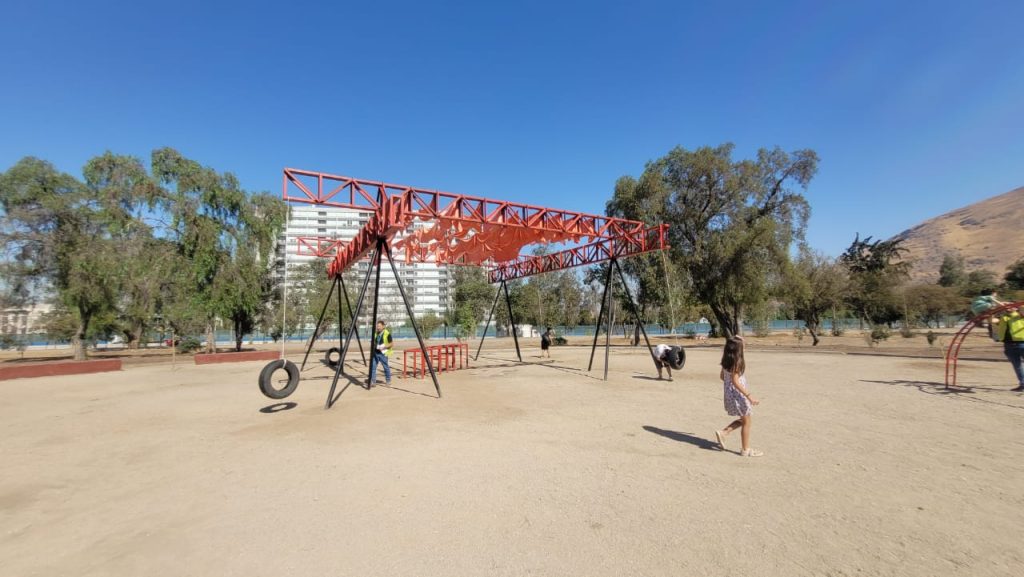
428, 285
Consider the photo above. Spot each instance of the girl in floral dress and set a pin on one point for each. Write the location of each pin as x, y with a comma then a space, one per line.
738, 401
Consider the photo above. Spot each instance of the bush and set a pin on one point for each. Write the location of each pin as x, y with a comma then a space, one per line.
690, 333
932, 336
799, 333
762, 328
561, 341
188, 345
907, 332
878, 334
837, 329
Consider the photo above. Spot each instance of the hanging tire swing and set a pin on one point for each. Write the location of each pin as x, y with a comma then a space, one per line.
332, 357
268, 380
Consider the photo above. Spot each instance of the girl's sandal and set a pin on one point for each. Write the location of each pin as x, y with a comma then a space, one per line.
752, 453
721, 439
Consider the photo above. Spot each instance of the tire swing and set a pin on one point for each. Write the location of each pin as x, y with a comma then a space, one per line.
267, 380
332, 357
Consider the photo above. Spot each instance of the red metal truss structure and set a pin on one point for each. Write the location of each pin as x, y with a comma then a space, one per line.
462, 229
430, 226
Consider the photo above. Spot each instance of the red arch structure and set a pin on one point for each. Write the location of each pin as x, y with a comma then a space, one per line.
420, 225
953, 351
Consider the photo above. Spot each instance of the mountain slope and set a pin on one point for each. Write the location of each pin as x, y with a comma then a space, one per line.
988, 234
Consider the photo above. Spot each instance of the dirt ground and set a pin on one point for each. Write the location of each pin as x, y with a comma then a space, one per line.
541, 468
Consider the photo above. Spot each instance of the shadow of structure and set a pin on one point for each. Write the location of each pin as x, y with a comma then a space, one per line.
958, 391
683, 438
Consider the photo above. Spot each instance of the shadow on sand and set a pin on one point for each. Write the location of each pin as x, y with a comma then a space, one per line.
957, 392
684, 438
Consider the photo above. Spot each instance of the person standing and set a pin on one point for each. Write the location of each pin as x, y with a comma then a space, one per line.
382, 345
1010, 332
738, 400
545, 343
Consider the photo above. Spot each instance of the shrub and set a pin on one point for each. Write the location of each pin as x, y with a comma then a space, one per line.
837, 329
907, 332
561, 341
878, 334
762, 328
932, 336
188, 345
799, 333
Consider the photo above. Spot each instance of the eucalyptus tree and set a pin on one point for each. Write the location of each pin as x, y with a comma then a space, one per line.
731, 223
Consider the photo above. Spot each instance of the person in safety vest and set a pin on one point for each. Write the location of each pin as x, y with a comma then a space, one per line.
381, 353
1010, 332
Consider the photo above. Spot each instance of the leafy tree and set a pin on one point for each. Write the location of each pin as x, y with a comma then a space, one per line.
731, 222
951, 272
225, 235
875, 270
814, 286
931, 304
428, 323
471, 301
58, 233
1015, 275
978, 281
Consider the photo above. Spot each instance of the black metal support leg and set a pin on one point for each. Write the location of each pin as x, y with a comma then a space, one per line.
373, 323
344, 291
412, 319
486, 326
512, 320
633, 307
611, 323
312, 338
351, 330
597, 327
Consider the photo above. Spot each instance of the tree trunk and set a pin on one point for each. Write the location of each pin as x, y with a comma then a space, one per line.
78, 339
135, 336
211, 337
812, 328
238, 336
727, 323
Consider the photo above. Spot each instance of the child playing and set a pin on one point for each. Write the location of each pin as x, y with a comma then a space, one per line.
669, 358
984, 303
738, 401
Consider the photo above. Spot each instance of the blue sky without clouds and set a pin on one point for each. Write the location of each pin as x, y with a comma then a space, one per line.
915, 108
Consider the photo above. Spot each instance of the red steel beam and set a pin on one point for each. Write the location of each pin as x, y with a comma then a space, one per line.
651, 239
318, 247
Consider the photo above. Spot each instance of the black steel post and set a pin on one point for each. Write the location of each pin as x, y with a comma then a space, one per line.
376, 304
351, 329
512, 320
312, 338
412, 319
633, 307
344, 291
597, 327
611, 322
497, 293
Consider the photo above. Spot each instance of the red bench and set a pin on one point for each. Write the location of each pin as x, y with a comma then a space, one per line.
447, 357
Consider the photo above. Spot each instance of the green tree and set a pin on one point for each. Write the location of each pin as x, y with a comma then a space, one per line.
59, 233
428, 323
932, 304
951, 272
876, 269
978, 281
471, 300
1015, 275
814, 285
731, 222
226, 236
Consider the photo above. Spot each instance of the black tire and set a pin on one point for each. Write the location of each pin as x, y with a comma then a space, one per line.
679, 358
267, 380
332, 351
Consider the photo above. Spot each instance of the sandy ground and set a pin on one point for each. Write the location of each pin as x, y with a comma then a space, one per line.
872, 468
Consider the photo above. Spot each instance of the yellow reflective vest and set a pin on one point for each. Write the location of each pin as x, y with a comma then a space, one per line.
1011, 325
382, 338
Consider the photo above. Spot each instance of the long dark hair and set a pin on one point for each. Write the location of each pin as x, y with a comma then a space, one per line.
732, 356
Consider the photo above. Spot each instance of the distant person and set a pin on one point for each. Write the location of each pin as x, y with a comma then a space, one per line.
738, 400
545, 343
382, 345
1010, 332
984, 303
669, 357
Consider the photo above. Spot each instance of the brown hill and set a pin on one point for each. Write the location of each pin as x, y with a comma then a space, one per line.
988, 234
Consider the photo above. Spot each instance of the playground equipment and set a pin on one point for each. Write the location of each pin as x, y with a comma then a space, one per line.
953, 350
458, 230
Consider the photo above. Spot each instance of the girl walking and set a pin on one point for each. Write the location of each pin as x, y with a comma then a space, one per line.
738, 401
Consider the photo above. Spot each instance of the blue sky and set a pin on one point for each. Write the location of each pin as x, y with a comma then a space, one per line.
915, 108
